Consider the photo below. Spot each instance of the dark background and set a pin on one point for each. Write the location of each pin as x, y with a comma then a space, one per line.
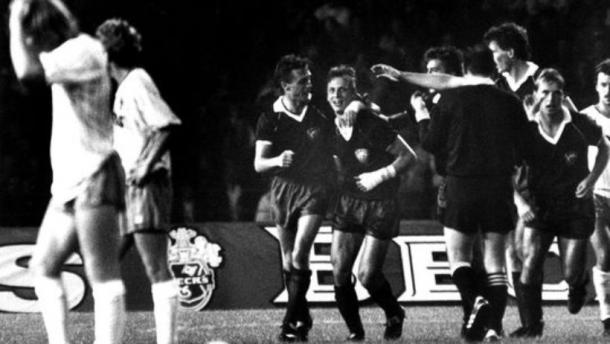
212, 62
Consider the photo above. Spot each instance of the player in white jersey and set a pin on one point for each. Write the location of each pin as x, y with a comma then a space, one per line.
87, 176
600, 240
142, 128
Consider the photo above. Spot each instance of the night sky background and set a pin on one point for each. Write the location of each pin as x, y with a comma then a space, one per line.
212, 62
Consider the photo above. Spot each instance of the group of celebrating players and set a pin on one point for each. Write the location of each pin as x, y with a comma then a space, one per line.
511, 147
514, 155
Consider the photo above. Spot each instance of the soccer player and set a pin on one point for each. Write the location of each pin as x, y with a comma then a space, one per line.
600, 239
479, 128
87, 189
143, 125
369, 157
559, 193
292, 143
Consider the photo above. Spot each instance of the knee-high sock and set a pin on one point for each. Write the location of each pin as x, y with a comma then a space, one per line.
110, 315
516, 286
52, 303
165, 299
601, 282
381, 293
497, 295
464, 279
347, 302
529, 296
297, 308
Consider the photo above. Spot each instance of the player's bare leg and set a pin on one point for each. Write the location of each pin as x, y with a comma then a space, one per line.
98, 237
55, 243
573, 259
600, 241
343, 253
536, 245
371, 276
152, 247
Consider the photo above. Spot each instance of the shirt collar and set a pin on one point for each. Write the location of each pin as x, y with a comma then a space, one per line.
567, 118
515, 84
278, 106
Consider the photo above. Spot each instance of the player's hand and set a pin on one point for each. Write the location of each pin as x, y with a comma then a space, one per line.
369, 180
351, 112
584, 188
417, 101
385, 71
285, 159
528, 215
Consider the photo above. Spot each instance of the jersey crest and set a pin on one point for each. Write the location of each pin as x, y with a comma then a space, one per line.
192, 260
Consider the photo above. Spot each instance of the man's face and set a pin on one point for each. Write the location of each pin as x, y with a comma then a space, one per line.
502, 58
435, 66
550, 96
299, 88
603, 88
340, 92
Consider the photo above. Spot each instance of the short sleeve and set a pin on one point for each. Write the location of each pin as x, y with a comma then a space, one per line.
154, 110
79, 59
591, 131
265, 127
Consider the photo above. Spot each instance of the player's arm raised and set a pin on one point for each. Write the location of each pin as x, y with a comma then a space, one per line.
264, 162
435, 81
22, 51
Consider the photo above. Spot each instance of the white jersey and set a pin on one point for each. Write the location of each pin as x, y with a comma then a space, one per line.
140, 111
602, 186
81, 137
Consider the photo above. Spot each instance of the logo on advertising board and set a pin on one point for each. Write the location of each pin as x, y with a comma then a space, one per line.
192, 259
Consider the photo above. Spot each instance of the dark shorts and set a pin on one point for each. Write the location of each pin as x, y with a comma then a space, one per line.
148, 207
105, 187
377, 218
479, 204
571, 219
291, 200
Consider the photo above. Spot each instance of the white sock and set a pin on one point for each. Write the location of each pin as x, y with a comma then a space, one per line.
53, 306
165, 299
110, 315
601, 282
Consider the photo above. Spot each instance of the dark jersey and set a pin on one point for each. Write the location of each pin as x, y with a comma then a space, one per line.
480, 128
555, 169
310, 140
366, 151
525, 89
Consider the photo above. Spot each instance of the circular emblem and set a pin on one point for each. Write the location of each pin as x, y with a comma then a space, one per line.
362, 155
570, 158
313, 133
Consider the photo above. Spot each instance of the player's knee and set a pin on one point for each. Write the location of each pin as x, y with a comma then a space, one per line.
157, 272
603, 258
300, 259
368, 277
42, 268
573, 276
341, 276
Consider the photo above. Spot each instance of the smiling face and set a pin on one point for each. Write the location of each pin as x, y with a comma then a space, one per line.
603, 88
340, 92
502, 58
550, 95
298, 90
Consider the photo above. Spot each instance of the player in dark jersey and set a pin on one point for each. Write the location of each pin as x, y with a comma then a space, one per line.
559, 190
292, 143
479, 127
368, 157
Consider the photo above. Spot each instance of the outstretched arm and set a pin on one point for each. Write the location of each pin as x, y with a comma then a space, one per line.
23, 55
435, 81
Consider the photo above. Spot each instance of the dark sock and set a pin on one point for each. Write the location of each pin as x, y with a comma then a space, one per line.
530, 296
381, 293
464, 279
347, 302
286, 277
497, 295
297, 307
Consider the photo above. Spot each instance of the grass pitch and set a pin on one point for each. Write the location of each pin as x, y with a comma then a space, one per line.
424, 324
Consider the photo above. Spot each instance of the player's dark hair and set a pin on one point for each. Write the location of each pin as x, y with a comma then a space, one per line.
550, 75
48, 23
122, 42
285, 66
450, 56
479, 61
510, 36
603, 67
342, 71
